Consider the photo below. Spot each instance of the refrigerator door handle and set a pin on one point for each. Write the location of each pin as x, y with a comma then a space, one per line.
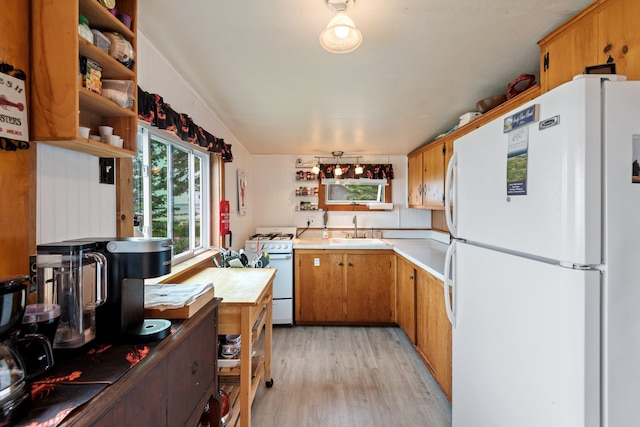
449, 195
449, 282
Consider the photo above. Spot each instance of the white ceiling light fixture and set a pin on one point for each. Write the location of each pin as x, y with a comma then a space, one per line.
341, 34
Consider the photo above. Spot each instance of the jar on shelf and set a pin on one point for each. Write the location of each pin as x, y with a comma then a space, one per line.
83, 29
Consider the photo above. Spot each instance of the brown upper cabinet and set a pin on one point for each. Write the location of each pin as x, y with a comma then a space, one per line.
426, 177
605, 31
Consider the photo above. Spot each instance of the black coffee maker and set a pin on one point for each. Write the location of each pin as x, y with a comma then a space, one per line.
22, 358
129, 262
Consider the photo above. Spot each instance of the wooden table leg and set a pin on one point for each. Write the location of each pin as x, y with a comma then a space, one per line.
268, 379
245, 366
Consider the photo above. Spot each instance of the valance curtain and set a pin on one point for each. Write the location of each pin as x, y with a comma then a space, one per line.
152, 109
371, 171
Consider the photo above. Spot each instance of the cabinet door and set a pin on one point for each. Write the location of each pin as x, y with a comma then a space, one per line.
193, 368
370, 279
319, 287
145, 402
619, 39
433, 160
406, 298
415, 180
434, 329
566, 55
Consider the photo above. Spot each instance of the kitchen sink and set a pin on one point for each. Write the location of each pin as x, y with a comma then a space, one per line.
356, 241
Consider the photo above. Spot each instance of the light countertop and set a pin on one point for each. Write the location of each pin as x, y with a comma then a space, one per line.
236, 285
425, 253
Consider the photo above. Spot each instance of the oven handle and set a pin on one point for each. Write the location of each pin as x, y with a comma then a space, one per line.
280, 256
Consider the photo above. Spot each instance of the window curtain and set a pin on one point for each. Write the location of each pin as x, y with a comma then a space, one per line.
371, 171
152, 109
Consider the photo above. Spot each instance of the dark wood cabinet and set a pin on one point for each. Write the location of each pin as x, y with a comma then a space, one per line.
170, 387
193, 365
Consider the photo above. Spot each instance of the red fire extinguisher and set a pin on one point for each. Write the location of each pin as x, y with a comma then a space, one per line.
224, 220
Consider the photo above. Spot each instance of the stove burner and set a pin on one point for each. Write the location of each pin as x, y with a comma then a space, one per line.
283, 237
271, 236
262, 236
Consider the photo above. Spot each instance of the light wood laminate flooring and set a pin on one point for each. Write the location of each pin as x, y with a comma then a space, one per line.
348, 376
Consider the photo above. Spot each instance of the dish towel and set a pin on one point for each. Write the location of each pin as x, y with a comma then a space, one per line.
167, 296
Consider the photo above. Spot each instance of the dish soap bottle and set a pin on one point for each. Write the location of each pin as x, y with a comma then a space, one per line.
325, 233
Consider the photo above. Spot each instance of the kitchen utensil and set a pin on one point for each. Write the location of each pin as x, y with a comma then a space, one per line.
225, 408
125, 19
41, 319
229, 351
13, 297
113, 140
84, 131
105, 130
490, 103
233, 339
73, 276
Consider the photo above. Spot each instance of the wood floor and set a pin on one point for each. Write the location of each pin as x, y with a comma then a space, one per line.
348, 376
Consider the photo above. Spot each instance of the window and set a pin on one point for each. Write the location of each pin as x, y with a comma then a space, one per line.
170, 190
352, 194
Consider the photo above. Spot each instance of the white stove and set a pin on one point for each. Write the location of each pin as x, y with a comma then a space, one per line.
274, 240
278, 243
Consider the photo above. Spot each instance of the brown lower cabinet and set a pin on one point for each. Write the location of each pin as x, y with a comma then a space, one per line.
170, 387
344, 286
433, 329
406, 297
422, 316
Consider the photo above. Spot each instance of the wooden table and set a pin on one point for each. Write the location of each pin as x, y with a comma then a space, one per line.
246, 309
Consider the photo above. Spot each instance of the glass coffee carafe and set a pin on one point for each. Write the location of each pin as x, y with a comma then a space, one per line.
72, 275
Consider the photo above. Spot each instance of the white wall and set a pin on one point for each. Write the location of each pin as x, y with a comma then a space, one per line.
156, 75
71, 202
272, 195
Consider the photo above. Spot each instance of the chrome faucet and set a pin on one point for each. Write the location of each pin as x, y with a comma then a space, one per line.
355, 226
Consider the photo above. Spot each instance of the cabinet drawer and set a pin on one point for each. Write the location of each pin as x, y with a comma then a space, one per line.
145, 402
192, 366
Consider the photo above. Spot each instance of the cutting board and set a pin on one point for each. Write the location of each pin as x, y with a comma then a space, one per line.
183, 312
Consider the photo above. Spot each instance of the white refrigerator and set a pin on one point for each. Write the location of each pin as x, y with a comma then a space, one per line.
542, 279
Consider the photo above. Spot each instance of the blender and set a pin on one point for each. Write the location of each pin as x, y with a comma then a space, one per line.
73, 275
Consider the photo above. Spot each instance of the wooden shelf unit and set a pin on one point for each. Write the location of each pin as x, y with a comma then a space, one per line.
59, 104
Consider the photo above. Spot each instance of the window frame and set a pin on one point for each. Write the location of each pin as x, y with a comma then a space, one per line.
352, 206
144, 136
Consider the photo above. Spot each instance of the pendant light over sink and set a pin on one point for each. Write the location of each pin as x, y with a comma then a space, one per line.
341, 34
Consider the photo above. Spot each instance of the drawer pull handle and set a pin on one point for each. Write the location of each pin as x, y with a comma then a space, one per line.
194, 367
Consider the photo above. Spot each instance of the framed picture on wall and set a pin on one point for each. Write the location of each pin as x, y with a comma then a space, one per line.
242, 192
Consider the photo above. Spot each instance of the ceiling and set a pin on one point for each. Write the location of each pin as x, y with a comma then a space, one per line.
422, 64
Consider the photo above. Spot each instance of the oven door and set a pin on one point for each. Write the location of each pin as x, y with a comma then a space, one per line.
283, 282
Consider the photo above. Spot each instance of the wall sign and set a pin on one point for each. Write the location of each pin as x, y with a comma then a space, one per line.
13, 110
242, 192
521, 118
517, 156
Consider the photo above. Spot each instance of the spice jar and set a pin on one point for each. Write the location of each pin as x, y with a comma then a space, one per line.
83, 29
